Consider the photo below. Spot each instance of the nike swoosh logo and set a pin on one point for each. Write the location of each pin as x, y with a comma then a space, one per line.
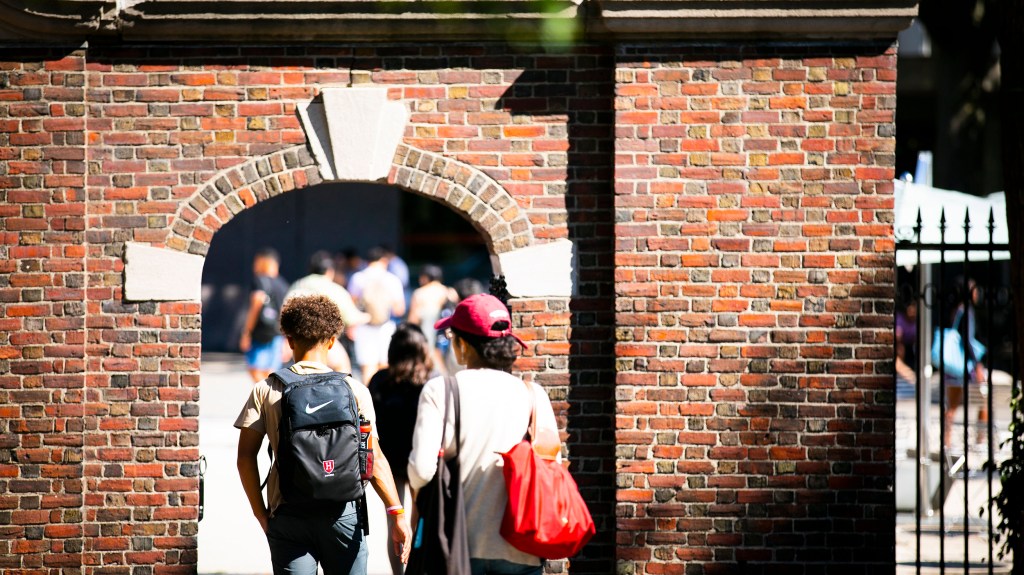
317, 408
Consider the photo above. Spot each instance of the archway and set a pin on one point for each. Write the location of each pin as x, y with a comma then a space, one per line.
463, 189
351, 215
531, 267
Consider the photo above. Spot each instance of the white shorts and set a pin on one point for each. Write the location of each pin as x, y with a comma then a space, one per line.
372, 343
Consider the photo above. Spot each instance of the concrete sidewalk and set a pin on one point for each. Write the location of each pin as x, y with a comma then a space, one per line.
230, 539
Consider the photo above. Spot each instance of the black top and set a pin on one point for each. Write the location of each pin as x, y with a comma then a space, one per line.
395, 403
267, 324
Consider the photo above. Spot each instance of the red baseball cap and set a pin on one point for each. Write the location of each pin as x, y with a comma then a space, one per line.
477, 315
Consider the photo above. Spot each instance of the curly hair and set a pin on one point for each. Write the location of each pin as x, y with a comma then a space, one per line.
309, 320
409, 356
496, 352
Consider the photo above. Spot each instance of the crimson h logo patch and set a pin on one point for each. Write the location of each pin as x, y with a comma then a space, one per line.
329, 466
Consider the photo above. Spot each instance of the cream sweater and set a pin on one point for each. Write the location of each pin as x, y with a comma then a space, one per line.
495, 409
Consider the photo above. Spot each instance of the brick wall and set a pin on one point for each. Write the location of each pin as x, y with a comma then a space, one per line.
754, 269
721, 373
42, 313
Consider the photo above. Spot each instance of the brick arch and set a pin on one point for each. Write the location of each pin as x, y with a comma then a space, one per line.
463, 188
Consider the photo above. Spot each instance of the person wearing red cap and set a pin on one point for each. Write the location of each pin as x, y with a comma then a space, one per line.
495, 408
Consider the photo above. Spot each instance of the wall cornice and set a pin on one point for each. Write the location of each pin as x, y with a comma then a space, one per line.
786, 19
263, 21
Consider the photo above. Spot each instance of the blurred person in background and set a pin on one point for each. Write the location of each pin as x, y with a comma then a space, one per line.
396, 394
428, 300
261, 339
964, 320
320, 281
379, 293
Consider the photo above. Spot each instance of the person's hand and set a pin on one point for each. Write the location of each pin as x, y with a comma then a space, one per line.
979, 374
401, 535
245, 342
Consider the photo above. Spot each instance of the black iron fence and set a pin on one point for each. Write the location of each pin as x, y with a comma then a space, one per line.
955, 374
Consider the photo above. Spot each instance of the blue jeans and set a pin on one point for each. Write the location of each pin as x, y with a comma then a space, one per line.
502, 567
299, 539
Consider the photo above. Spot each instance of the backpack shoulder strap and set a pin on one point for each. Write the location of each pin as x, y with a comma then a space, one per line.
287, 377
351, 383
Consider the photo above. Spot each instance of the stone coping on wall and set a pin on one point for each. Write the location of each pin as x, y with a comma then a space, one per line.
546, 21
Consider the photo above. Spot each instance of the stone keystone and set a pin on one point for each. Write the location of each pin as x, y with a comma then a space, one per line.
354, 132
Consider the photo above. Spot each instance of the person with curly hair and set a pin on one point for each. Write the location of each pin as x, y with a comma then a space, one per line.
300, 537
396, 393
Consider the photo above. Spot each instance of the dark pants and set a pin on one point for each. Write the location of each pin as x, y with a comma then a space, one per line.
299, 539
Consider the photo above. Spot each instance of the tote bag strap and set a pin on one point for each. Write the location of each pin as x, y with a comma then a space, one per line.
451, 401
452, 392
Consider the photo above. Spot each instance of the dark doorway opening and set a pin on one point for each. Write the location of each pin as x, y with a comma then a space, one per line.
331, 217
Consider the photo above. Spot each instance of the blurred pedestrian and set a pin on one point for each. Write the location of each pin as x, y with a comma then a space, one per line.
396, 393
320, 281
428, 300
352, 263
906, 351
380, 295
397, 266
261, 339
965, 321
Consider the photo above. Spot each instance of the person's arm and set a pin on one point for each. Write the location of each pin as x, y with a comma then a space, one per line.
905, 370
547, 443
415, 303
384, 484
256, 300
249, 443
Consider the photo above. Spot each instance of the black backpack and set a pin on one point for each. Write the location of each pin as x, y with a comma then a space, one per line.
318, 449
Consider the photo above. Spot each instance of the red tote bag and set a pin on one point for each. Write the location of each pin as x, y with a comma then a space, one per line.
546, 515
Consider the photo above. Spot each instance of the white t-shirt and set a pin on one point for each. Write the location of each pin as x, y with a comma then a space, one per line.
318, 284
495, 412
376, 278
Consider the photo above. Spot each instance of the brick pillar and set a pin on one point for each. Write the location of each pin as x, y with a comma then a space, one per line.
42, 315
754, 275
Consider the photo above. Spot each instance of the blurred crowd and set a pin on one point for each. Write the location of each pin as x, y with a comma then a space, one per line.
376, 298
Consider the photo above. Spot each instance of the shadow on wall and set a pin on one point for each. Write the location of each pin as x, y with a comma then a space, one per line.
580, 86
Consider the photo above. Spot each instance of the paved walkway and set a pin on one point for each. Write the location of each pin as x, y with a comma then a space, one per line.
230, 539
